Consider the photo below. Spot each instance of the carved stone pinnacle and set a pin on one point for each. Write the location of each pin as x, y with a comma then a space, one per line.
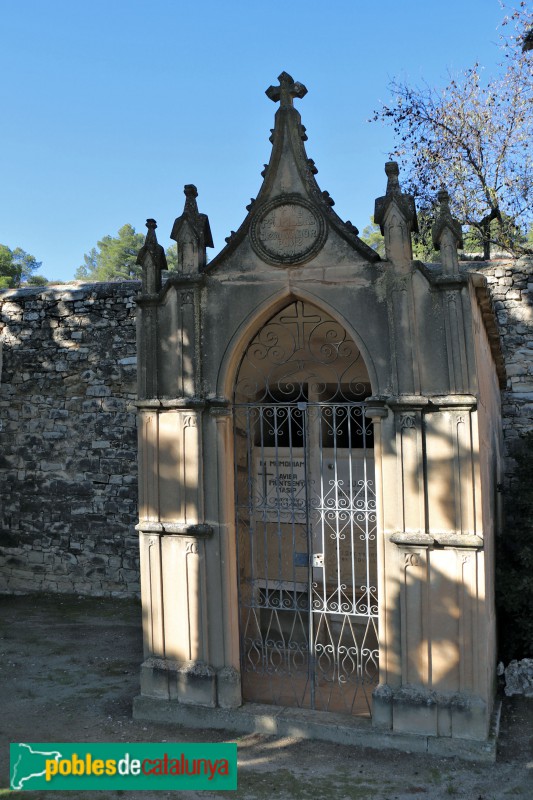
443, 197
392, 172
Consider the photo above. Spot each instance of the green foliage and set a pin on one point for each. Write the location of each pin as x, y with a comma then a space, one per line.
37, 280
371, 236
16, 267
474, 137
422, 241
172, 257
114, 257
514, 561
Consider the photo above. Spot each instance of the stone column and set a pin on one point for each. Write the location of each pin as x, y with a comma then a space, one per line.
174, 536
228, 676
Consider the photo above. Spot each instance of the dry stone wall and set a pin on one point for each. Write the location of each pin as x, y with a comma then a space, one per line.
68, 477
68, 450
511, 286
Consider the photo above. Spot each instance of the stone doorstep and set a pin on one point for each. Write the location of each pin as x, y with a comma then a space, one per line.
321, 725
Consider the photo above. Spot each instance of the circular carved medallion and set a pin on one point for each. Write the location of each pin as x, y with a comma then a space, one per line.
288, 230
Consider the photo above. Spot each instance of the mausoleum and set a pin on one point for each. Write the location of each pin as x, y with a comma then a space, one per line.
319, 456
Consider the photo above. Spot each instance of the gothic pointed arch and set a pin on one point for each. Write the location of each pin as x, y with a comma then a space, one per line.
305, 513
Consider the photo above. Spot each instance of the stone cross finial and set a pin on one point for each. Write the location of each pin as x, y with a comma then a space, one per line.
286, 91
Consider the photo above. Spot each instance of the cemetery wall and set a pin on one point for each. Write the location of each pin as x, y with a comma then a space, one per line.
68, 448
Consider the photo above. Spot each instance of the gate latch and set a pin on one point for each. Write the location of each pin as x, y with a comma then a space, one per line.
318, 560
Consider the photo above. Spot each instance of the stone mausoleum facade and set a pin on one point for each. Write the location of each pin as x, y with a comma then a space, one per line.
320, 452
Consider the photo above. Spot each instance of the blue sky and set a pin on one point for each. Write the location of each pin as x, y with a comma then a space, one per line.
110, 107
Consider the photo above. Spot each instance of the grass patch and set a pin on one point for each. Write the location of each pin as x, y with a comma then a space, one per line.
435, 775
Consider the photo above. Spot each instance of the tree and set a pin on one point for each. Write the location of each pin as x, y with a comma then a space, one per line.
37, 280
476, 138
172, 257
114, 258
16, 267
371, 236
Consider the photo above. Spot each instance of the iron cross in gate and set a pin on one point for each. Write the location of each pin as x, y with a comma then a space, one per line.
300, 320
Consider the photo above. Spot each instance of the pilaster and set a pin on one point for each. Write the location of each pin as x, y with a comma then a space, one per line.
434, 615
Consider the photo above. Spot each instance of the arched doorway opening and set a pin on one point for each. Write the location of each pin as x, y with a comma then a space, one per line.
305, 516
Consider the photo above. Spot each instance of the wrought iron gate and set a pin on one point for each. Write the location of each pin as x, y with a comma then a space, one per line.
306, 529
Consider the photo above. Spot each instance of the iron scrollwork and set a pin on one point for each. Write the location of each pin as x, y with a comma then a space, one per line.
304, 485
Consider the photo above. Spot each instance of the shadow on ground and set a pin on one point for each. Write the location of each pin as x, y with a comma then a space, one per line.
69, 671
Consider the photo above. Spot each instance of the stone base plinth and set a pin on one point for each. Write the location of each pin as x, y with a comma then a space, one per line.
420, 711
322, 725
190, 683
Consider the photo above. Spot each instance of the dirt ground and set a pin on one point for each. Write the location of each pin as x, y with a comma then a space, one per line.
68, 673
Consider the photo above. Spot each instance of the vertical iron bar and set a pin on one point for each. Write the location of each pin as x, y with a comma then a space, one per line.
311, 634
337, 506
367, 540
352, 512
322, 504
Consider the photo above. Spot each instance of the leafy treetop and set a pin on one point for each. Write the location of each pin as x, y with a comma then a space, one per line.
17, 266
475, 137
114, 257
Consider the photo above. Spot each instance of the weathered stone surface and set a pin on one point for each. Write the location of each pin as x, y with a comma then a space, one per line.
515, 318
519, 678
67, 385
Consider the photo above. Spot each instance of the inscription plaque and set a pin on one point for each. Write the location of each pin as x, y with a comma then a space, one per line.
283, 495
288, 230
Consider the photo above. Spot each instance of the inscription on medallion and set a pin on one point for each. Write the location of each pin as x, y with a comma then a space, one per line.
288, 231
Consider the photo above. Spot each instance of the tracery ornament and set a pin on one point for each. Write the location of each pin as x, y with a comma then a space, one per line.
300, 354
412, 560
407, 421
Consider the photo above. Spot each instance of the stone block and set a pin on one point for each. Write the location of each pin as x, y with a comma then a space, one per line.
382, 707
196, 684
414, 711
229, 693
98, 391
155, 679
444, 720
470, 719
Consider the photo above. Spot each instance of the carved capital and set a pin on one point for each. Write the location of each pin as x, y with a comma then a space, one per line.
407, 421
412, 560
191, 547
